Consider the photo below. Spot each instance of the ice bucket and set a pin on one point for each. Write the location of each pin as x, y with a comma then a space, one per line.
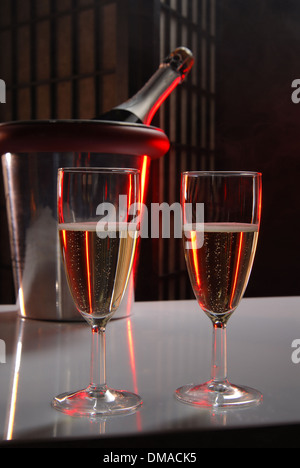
32, 152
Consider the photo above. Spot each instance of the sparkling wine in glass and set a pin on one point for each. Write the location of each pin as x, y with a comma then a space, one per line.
221, 218
98, 230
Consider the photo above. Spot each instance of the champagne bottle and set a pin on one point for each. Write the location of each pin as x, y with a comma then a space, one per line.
142, 107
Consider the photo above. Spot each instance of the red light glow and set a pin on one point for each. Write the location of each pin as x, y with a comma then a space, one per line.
162, 99
195, 258
144, 177
87, 254
237, 270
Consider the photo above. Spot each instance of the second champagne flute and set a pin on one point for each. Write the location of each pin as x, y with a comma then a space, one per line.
98, 233
221, 218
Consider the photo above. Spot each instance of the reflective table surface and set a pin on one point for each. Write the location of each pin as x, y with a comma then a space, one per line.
159, 347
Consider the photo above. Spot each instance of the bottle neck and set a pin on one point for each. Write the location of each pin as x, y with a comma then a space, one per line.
148, 99
144, 104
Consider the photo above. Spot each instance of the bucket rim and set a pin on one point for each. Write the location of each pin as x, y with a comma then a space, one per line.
82, 135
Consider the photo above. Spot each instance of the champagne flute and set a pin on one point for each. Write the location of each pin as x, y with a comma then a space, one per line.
98, 231
221, 217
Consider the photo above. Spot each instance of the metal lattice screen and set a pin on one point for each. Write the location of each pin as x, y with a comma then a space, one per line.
65, 59
60, 59
188, 118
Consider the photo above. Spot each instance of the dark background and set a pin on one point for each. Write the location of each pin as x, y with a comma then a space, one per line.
76, 59
258, 127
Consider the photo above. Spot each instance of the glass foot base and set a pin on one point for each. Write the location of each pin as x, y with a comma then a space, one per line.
218, 395
90, 402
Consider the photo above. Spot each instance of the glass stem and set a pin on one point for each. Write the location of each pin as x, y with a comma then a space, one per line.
219, 353
98, 359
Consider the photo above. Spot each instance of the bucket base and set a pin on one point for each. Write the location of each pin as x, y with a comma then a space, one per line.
66, 311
